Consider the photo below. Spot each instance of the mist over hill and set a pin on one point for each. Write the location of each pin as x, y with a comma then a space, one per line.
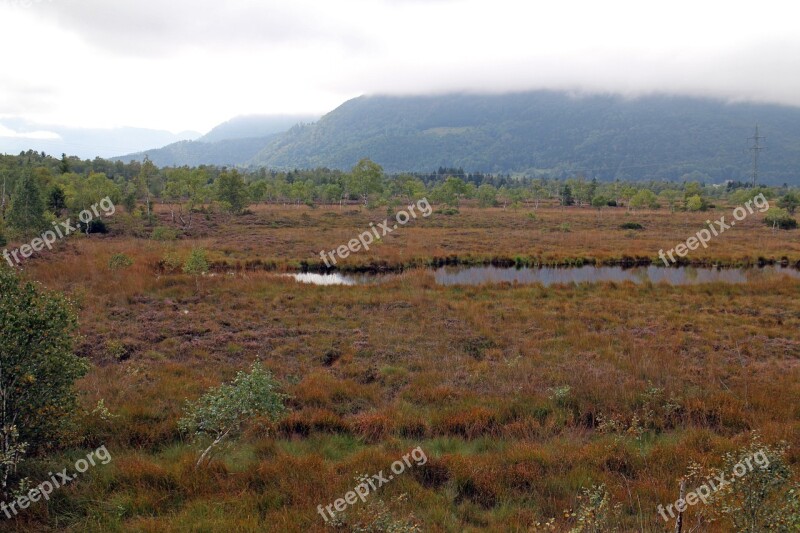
254, 126
231, 143
555, 133
228, 152
536, 133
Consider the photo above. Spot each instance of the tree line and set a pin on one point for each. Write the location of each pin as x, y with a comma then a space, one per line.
35, 189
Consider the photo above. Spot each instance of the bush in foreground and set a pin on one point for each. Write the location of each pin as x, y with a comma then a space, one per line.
222, 411
38, 371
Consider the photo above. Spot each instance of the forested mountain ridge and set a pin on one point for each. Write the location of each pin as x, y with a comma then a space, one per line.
655, 137
231, 143
538, 133
254, 126
227, 152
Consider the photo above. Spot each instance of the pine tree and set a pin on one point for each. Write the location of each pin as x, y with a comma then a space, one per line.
63, 166
27, 207
56, 199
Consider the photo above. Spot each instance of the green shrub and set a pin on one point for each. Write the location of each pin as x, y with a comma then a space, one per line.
94, 226
596, 511
117, 350
765, 495
162, 233
779, 218
171, 262
222, 411
631, 225
196, 265
39, 370
119, 261
449, 211
696, 203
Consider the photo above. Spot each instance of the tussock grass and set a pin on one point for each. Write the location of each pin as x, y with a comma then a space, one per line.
520, 395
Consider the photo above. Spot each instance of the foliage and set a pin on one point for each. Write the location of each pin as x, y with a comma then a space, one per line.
148, 174
451, 191
596, 513
96, 225
37, 370
376, 517
172, 262
764, 498
742, 196
232, 191
196, 265
365, 179
221, 412
117, 349
566, 196
119, 262
631, 225
644, 198
487, 195
27, 208
560, 395
82, 192
695, 203
779, 218
789, 201
56, 199
188, 188
129, 200
162, 233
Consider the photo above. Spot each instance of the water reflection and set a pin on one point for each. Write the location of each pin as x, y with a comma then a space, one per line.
591, 274
323, 279
551, 275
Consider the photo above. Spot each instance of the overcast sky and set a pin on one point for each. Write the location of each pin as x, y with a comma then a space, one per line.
191, 64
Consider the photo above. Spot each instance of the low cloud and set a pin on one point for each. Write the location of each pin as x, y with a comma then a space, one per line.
190, 64
37, 135
157, 28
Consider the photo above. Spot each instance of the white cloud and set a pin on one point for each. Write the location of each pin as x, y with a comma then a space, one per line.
190, 64
39, 135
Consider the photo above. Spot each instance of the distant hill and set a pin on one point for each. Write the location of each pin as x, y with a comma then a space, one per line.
232, 143
605, 136
252, 126
230, 152
18, 135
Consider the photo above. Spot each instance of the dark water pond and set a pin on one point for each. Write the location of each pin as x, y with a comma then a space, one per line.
586, 274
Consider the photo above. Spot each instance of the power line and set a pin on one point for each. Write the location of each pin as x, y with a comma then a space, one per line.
756, 148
